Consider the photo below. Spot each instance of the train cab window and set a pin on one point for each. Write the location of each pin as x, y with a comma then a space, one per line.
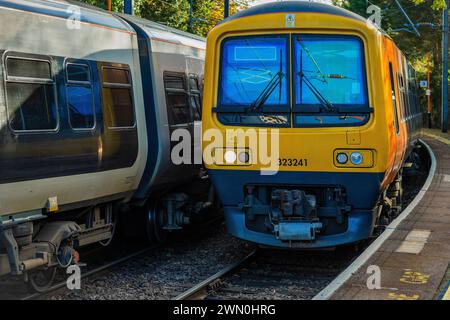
250, 65
117, 96
80, 98
330, 87
177, 102
30, 91
195, 96
254, 81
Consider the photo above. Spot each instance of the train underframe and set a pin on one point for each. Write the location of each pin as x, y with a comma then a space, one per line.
299, 217
35, 244
314, 214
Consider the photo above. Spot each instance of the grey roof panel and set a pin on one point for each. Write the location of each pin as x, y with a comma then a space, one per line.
294, 7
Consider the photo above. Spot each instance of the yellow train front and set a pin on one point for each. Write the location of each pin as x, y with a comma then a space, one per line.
331, 102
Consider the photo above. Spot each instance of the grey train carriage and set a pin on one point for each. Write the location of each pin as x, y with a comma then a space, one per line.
88, 102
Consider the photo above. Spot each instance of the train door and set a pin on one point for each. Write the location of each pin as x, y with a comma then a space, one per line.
395, 102
402, 106
395, 109
406, 99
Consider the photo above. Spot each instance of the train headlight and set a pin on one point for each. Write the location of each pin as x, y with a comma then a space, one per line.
230, 156
244, 157
356, 158
342, 158
348, 158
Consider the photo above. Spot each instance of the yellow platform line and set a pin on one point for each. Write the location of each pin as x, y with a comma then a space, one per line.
439, 138
447, 294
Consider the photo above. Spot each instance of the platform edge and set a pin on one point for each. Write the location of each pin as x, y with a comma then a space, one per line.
330, 289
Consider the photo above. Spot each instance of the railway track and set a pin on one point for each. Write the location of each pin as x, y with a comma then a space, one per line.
273, 274
200, 291
96, 262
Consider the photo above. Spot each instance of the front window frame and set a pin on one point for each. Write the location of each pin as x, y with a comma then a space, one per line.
352, 110
291, 110
281, 109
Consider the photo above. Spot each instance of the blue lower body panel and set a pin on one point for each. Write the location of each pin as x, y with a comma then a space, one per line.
360, 226
362, 193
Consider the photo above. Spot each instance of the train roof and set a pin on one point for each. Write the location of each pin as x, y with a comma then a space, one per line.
294, 7
159, 27
90, 14
65, 10
139, 21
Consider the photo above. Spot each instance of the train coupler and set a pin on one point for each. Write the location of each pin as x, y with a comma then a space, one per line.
297, 231
293, 203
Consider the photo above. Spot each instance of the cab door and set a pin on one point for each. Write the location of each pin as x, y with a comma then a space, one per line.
392, 66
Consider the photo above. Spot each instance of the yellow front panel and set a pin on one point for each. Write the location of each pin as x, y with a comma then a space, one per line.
315, 147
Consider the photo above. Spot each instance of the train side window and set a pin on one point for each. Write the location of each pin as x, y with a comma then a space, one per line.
394, 98
30, 91
176, 98
195, 96
80, 97
406, 102
117, 97
404, 90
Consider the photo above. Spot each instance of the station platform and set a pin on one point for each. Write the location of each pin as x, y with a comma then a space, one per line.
412, 255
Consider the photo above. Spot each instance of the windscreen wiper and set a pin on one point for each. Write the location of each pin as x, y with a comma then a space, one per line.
314, 61
267, 92
324, 102
303, 78
269, 88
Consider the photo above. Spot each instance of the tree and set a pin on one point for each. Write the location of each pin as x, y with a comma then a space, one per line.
175, 13
117, 5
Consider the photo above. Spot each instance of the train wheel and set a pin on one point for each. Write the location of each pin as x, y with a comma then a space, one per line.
41, 280
155, 223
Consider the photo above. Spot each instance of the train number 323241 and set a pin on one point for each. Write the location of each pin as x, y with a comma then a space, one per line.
292, 162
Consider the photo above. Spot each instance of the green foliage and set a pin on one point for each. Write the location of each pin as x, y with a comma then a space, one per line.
175, 13
436, 5
117, 5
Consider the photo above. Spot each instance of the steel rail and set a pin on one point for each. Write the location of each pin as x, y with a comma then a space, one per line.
195, 290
